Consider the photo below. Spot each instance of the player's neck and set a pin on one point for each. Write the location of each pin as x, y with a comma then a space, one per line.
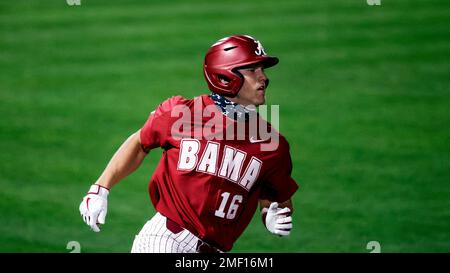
232, 109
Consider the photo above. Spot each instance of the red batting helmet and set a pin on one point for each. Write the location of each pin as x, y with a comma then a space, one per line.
226, 56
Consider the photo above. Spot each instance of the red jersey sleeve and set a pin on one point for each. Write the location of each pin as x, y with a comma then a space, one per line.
279, 186
156, 129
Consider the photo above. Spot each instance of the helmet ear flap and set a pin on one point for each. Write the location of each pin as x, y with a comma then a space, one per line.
224, 79
227, 83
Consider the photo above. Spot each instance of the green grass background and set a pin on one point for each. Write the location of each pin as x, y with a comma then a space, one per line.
364, 101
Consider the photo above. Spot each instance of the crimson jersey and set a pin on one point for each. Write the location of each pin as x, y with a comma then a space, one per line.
211, 185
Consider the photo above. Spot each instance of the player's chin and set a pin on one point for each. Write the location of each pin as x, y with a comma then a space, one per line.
260, 98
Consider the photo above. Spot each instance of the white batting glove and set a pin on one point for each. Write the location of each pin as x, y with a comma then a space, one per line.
94, 206
278, 221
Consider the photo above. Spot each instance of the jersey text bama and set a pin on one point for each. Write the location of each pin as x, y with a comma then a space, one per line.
208, 162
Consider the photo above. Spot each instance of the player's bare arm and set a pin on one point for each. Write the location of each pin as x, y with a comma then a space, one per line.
264, 203
126, 160
277, 217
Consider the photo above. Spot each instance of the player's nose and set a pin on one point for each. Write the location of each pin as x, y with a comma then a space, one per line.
261, 76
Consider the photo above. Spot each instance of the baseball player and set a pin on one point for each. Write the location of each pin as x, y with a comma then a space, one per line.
207, 186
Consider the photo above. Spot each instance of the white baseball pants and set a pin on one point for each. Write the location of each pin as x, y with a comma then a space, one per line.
156, 238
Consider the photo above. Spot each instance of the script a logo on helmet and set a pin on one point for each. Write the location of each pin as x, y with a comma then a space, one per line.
260, 49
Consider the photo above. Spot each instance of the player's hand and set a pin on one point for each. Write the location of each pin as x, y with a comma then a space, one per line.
278, 221
94, 206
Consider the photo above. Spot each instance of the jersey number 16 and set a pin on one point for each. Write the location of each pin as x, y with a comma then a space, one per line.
234, 205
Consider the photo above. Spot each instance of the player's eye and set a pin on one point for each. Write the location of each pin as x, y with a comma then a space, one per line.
256, 68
